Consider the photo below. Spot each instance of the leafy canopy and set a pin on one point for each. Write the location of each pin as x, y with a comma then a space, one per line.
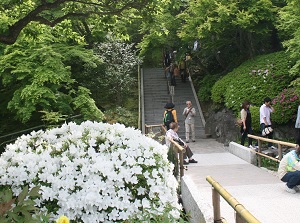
40, 72
289, 29
16, 15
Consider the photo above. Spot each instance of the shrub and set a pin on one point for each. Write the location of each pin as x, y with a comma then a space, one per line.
254, 80
285, 105
206, 84
255, 118
121, 115
93, 172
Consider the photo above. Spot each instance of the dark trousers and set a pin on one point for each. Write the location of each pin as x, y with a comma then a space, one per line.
269, 136
183, 75
173, 79
292, 179
188, 152
244, 135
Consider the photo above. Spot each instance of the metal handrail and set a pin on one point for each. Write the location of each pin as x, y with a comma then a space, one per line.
242, 214
15, 134
279, 143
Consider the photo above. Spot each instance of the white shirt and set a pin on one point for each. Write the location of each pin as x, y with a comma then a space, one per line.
265, 112
297, 124
171, 134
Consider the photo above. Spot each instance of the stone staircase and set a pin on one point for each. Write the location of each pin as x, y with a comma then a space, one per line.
156, 95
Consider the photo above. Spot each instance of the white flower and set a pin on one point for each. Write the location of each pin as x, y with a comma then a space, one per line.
94, 172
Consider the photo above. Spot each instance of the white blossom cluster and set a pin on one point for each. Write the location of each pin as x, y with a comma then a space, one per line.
121, 62
93, 172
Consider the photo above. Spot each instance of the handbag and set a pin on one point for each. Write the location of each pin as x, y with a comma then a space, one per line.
266, 131
179, 142
239, 122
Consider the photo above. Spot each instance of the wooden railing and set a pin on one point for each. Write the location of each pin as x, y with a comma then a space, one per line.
279, 146
179, 150
242, 215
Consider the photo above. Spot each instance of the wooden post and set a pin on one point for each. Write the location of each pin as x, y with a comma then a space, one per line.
216, 205
238, 218
259, 150
181, 164
139, 90
279, 151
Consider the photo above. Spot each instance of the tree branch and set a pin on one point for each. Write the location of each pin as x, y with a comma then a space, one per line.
15, 29
111, 9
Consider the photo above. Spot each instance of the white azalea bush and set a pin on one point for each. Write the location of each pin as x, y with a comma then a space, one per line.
93, 172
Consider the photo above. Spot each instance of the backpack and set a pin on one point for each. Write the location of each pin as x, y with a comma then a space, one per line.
168, 118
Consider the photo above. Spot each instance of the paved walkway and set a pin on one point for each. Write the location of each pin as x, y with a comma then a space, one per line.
257, 189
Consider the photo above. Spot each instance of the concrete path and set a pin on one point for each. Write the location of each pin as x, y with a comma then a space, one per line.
257, 189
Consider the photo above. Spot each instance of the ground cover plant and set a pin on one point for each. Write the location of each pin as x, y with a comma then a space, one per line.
93, 172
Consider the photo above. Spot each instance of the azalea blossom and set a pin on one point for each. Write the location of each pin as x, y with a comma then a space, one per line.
93, 172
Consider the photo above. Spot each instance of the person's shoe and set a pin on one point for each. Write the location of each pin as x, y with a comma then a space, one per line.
253, 148
185, 162
193, 141
290, 190
296, 188
187, 141
272, 147
193, 161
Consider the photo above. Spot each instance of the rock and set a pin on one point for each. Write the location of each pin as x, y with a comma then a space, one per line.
221, 125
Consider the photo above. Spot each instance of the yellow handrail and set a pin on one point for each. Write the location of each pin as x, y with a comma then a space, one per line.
272, 140
279, 143
238, 207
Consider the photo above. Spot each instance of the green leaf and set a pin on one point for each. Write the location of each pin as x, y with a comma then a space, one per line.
22, 195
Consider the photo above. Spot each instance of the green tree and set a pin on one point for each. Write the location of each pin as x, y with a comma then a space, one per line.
117, 75
230, 31
289, 27
16, 15
159, 32
38, 74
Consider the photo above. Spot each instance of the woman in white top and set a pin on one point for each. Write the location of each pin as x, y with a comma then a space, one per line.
171, 134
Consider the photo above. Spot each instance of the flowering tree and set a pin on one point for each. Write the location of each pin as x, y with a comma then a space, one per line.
93, 172
121, 62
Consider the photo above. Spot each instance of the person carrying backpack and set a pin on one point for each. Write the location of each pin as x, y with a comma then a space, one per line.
170, 115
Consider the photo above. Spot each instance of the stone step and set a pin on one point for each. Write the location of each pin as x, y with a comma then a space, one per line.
156, 96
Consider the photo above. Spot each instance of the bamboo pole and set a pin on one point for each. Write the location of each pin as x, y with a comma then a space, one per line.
293, 145
259, 150
239, 208
216, 204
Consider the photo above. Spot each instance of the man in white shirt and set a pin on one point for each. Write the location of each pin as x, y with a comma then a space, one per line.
265, 118
171, 134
